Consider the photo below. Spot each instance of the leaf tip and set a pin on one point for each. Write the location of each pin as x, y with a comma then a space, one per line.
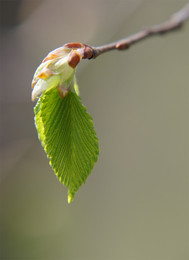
70, 198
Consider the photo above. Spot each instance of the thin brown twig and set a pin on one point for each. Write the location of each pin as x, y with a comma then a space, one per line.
175, 22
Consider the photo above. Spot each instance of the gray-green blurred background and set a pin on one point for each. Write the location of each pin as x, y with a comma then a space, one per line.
134, 205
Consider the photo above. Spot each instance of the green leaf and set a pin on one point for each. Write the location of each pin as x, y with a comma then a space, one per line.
76, 87
67, 134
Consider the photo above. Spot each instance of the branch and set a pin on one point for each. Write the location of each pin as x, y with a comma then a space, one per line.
175, 22
70, 54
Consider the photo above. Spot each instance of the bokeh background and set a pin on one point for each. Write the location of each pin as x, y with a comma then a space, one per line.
134, 205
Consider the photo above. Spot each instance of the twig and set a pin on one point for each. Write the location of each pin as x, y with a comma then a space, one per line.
175, 22
83, 51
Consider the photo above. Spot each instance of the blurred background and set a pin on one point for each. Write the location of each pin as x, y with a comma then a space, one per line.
134, 205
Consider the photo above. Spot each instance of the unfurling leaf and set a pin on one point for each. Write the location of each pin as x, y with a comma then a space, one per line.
64, 127
67, 134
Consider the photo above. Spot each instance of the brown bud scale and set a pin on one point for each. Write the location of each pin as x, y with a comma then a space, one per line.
73, 59
62, 92
122, 46
73, 45
88, 52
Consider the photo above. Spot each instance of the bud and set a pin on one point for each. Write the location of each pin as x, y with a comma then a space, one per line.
57, 70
